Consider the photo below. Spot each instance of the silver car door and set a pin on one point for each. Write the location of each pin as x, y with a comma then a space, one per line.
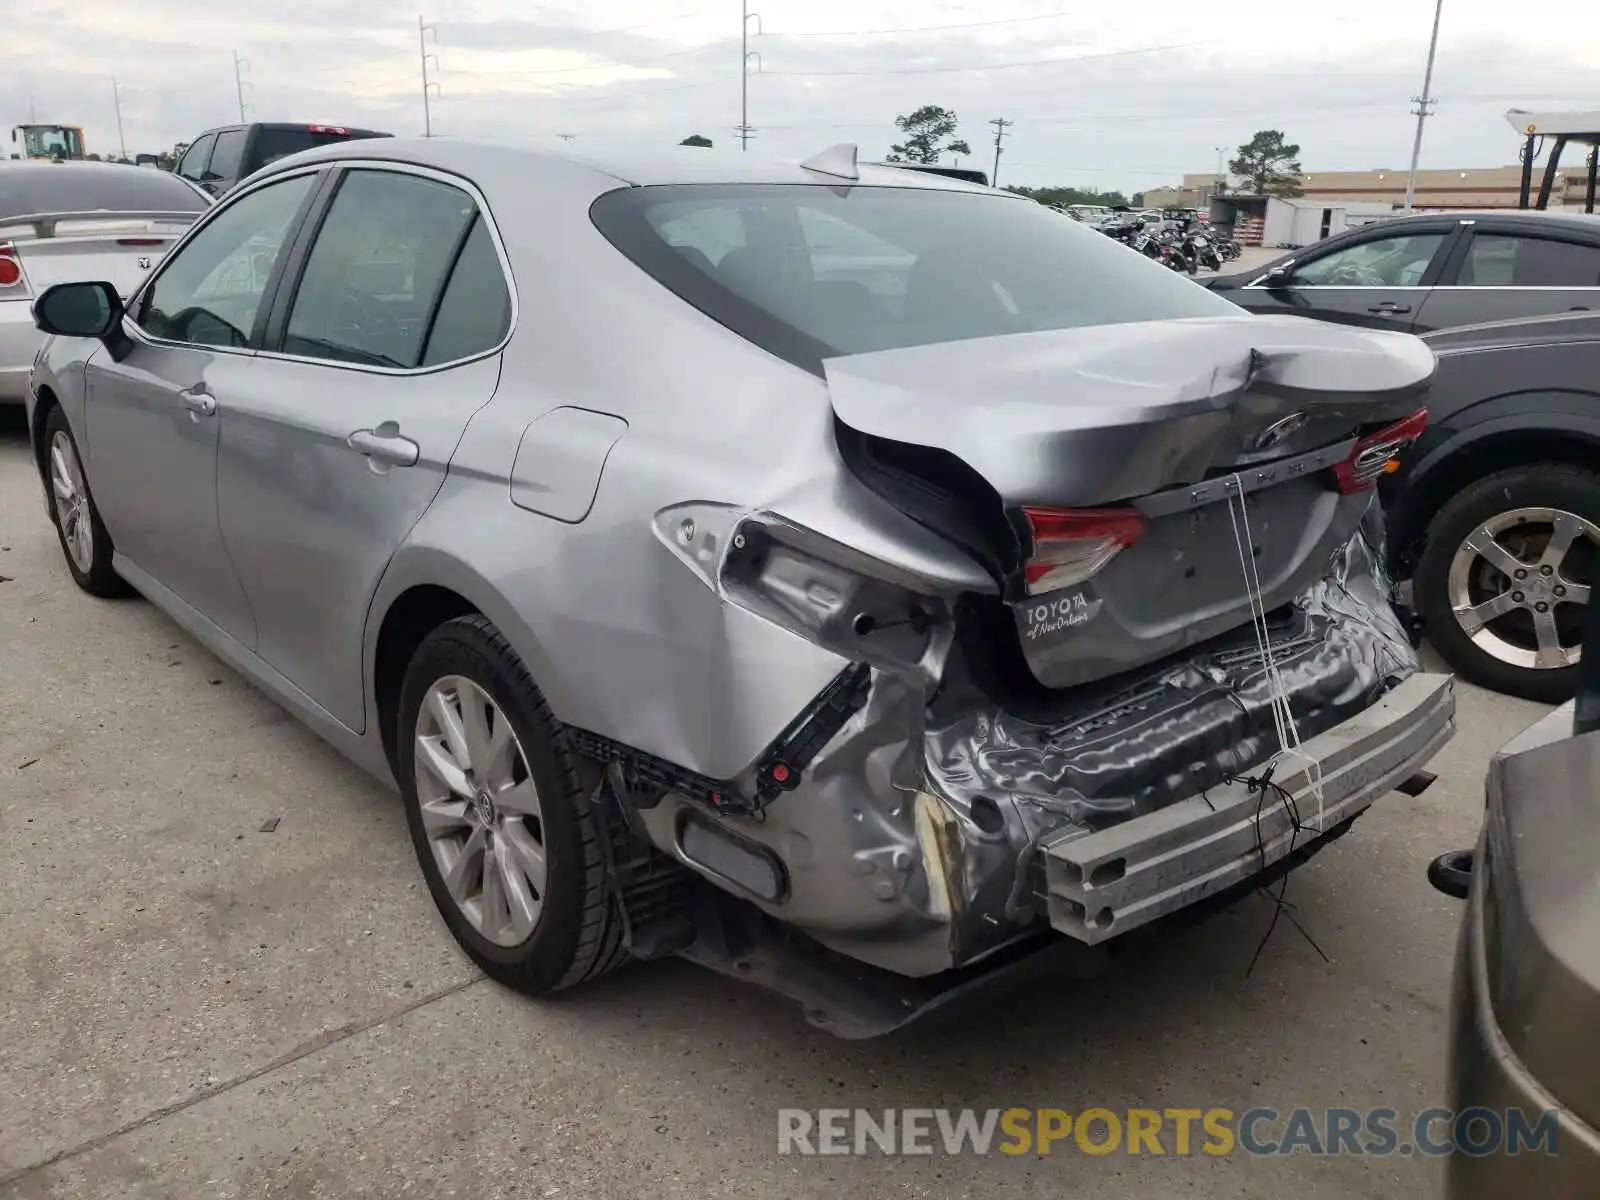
153, 417
374, 361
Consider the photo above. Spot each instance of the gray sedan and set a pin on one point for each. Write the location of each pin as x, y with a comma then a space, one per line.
771, 564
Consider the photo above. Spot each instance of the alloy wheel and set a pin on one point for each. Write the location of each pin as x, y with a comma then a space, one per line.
480, 810
71, 501
1518, 585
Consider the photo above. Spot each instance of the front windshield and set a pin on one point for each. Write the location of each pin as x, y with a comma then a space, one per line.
53, 141
811, 272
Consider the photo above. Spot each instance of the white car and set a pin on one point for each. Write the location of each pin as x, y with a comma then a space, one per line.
67, 221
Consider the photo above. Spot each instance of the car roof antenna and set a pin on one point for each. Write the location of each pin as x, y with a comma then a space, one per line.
838, 161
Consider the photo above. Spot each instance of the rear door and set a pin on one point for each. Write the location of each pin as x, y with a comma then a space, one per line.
373, 362
1503, 269
1379, 279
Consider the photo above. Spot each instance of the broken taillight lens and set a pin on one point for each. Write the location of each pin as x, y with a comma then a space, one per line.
1074, 544
1375, 455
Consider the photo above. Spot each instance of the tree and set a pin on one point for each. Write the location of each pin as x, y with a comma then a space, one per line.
1269, 165
173, 157
926, 132
1060, 197
695, 139
1136, 200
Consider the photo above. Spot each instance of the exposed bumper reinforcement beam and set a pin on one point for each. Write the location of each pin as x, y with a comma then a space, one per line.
1102, 884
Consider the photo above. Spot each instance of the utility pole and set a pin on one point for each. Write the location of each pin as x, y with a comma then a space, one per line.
116, 101
1425, 103
239, 64
1000, 126
745, 55
1221, 153
430, 89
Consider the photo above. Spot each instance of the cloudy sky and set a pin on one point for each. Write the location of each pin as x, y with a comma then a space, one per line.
1125, 95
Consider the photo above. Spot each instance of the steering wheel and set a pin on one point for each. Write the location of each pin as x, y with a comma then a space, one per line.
1355, 275
183, 320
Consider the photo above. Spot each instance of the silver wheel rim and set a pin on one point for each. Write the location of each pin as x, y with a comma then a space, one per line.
72, 501
480, 810
1519, 582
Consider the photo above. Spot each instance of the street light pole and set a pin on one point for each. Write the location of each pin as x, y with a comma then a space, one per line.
1424, 105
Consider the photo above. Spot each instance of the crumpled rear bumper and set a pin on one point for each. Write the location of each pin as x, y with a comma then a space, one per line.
942, 823
1101, 884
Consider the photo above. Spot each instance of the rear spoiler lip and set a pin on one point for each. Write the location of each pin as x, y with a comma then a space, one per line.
44, 224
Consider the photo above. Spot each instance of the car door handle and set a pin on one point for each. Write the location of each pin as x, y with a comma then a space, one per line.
1389, 308
385, 445
198, 403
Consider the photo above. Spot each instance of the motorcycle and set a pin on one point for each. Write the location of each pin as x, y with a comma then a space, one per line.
1197, 247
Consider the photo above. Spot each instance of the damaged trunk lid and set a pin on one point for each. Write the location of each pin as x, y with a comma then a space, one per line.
1127, 486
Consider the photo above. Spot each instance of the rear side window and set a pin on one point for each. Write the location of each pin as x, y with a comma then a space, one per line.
810, 272
475, 310
1506, 260
27, 188
273, 144
376, 269
226, 155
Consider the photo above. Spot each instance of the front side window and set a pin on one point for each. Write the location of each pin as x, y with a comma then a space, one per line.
193, 164
377, 268
810, 272
209, 292
1398, 261
1505, 260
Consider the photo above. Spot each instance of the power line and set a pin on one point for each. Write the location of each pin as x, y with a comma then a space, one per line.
1037, 62
844, 33
594, 33
611, 66
1000, 126
429, 87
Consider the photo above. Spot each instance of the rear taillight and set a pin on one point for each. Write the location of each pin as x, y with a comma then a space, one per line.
335, 129
1375, 455
10, 268
1074, 544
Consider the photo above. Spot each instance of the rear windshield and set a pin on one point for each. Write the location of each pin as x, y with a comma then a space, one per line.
28, 188
273, 144
812, 272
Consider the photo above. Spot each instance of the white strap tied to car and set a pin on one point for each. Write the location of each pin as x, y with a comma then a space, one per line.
1289, 745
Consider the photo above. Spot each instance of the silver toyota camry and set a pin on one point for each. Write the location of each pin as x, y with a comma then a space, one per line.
852, 579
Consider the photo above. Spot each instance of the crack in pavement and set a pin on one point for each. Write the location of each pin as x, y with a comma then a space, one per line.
322, 1041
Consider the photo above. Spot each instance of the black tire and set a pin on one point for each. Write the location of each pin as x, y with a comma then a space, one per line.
1540, 485
578, 935
100, 579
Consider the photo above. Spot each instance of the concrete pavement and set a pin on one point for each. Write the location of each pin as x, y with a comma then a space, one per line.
193, 1007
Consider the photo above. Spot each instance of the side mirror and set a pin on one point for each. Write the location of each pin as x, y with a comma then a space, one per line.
78, 310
